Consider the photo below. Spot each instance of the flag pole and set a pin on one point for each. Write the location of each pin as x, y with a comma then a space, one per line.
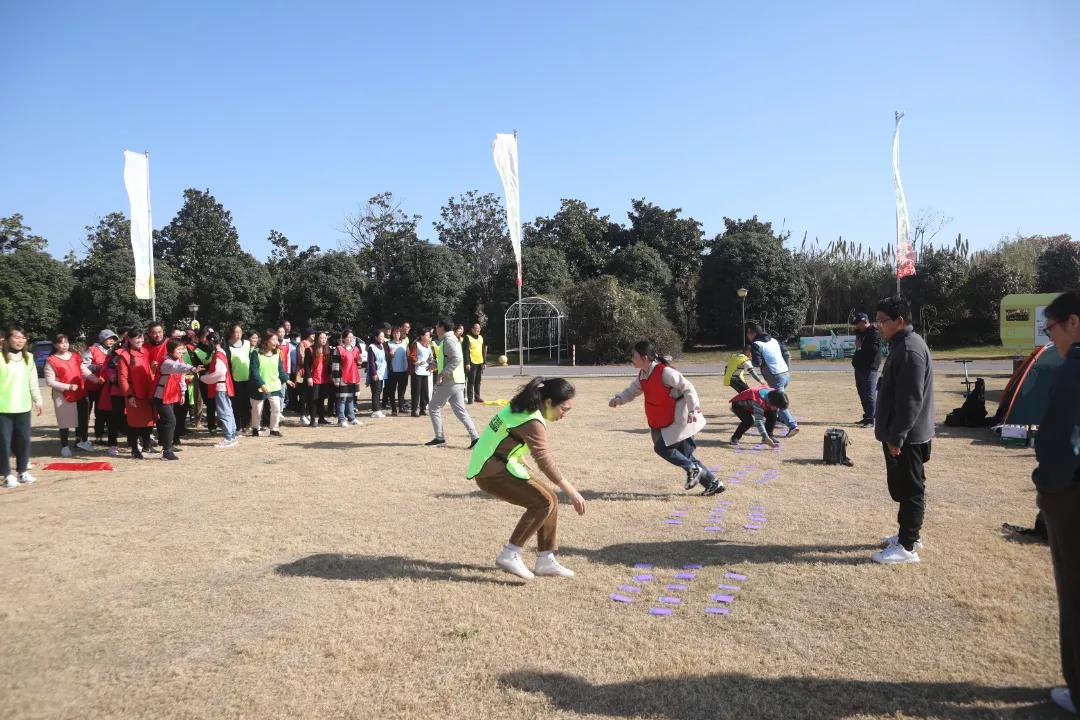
153, 279
521, 322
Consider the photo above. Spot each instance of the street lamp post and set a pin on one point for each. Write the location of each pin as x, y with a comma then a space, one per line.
193, 308
742, 293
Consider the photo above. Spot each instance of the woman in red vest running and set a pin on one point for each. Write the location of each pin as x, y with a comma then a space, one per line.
64, 374
673, 412
170, 390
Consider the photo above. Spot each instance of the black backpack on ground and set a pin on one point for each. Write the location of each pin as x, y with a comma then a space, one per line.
834, 450
973, 412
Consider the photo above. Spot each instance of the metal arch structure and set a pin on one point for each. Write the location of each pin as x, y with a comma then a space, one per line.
542, 323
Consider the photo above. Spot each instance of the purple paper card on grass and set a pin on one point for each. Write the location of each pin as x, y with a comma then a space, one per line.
752, 526
642, 578
621, 598
717, 610
723, 598
734, 576
692, 566
670, 600
660, 611
730, 588
713, 528
676, 586
685, 576
644, 566
673, 522
714, 468
630, 588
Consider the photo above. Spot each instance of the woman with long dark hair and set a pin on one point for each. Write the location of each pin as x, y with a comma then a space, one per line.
64, 374
19, 393
318, 386
673, 413
496, 466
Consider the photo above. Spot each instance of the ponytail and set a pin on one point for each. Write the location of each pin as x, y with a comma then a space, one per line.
531, 396
648, 350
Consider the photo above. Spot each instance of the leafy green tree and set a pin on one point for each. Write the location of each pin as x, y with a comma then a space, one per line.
585, 237
641, 268
287, 267
14, 235
383, 238
989, 279
681, 242
104, 292
474, 226
748, 254
607, 319
33, 287
1059, 266
426, 287
329, 292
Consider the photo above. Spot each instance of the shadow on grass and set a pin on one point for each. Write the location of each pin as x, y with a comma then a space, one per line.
613, 496
676, 553
735, 695
357, 442
977, 435
333, 566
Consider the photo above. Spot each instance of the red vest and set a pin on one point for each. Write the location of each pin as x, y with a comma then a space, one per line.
752, 395
318, 368
156, 353
350, 365
170, 395
140, 378
98, 357
220, 358
69, 372
659, 405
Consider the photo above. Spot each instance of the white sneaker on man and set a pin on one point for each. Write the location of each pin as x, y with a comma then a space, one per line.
895, 539
26, 478
305, 420
65, 452
85, 446
1063, 699
510, 561
11, 482
356, 423
895, 555
546, 564
378, 414
227, 443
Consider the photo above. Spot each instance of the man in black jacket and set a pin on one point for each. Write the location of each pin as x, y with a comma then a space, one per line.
866, 361
904, 423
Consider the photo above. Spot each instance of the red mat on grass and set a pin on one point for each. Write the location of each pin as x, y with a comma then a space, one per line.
79, 466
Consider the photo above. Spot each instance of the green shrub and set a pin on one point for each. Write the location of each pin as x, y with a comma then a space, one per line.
607, 319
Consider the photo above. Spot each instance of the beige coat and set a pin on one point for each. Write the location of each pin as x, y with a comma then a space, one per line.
680, 429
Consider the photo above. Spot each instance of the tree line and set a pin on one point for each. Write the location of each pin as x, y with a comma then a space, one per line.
656, 275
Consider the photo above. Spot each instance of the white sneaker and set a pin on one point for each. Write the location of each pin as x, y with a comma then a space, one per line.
895, 539
227, 443
1063, 699
792, 432
26, 478
895, 555
11, 482
511, 562
378, 414
114, 452
65, 452
546, 564
304, 420
356, 423
85, 446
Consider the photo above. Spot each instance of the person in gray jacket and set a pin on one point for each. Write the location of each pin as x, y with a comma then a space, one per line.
904, 423
449, 386
1057, 479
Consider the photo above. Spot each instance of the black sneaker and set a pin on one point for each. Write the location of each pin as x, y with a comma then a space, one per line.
136, 454
866, 422
693, 477
473, 443
254, 432
715, 489
275, 433
169, 456
435, 441
324, 421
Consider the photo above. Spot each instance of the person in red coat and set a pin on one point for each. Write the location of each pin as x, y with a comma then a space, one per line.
137, 383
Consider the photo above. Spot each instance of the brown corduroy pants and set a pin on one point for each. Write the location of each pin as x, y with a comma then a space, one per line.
541, 505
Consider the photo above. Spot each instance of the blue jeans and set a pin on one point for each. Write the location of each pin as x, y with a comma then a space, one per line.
866, 385
780, 382
681, 453
14, 438
346, 408
225, 414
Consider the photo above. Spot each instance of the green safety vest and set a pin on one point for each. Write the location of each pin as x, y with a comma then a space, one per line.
268, 370
459, 372
240, 361
187, 359
498, 430
15, 384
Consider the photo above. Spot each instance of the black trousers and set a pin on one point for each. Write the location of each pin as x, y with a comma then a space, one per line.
180, 413
377, 395
81, 432
241, 407
746, 421
907, 485
396, 390
101, 417
166, 424
472, 382
14, 438
117, 420
314, 405
1062, 513
420, 393
210, 405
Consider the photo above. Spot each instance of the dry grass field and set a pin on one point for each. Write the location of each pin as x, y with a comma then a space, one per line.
348, 573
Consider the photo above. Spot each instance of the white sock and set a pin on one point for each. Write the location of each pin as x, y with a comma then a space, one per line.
546, 555
512, 548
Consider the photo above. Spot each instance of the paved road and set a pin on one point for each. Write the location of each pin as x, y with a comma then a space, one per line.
980, 367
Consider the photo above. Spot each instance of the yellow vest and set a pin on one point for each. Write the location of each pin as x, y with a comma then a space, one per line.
476, 350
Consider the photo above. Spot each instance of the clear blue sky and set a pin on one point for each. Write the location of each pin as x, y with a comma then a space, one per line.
293, 115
